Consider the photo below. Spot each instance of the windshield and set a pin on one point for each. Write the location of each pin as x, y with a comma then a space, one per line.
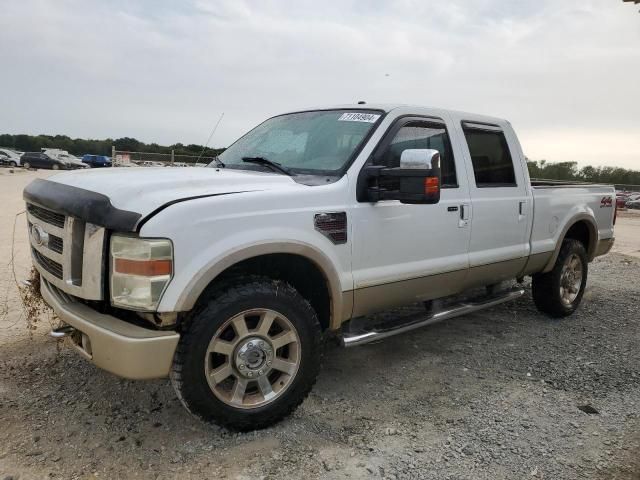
317, 142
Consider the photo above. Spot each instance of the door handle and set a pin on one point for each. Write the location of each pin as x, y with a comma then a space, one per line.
522, 211
464, 212
464, 215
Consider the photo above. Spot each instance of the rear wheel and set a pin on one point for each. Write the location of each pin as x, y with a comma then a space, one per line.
558, 293
55, 166
26, 165
250, 355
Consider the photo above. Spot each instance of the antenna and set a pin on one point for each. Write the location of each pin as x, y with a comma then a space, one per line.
210, 136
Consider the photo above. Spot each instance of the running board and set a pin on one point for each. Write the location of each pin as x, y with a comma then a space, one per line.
353, 339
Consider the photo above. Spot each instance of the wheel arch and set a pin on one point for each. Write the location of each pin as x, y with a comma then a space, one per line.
582, 228
300, 264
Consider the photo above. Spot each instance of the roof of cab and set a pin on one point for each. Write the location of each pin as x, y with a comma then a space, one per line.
418, 109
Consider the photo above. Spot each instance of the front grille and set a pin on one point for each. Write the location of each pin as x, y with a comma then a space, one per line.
45, 215
72, 258
55, 243
54, 268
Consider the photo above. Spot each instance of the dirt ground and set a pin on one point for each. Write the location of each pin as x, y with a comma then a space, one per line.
493, 395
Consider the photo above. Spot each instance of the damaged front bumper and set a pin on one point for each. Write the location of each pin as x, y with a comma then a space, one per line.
112, 344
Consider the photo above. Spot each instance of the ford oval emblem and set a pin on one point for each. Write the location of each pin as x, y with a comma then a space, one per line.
39, 236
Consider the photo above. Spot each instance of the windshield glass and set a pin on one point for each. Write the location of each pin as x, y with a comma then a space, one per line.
317, 142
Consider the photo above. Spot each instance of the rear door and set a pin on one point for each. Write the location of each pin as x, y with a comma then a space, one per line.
500, 203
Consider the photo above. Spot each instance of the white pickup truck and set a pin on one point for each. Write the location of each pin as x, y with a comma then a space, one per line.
227, 278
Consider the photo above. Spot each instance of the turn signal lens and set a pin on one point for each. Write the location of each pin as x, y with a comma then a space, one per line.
431, 185
145, 268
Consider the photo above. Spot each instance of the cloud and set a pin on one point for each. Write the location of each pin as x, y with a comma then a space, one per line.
164, 71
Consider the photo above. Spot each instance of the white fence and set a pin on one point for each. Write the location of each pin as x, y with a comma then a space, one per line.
148, 159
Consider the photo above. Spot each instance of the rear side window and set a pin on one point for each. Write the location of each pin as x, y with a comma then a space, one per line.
490, 156
424, 135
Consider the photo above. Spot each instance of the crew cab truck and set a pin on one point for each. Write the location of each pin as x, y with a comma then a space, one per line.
227, 278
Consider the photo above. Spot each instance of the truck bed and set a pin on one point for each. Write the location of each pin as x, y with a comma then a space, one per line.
556, 202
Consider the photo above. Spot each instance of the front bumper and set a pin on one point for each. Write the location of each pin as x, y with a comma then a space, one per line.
117, 346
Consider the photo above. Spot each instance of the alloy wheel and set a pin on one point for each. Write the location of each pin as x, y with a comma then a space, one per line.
253, 358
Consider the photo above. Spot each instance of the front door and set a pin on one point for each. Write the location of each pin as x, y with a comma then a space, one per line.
405, 253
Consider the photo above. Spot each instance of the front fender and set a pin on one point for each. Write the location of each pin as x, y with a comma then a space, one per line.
189, 294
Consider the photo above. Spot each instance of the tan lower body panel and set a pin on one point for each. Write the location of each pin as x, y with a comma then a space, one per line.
374, 299
494, 272
380, 297
536, 263
603, 246
117, 346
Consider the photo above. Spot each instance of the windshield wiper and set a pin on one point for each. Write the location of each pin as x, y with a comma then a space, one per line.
275, 166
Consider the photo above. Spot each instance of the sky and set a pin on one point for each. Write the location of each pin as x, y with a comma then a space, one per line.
565, 73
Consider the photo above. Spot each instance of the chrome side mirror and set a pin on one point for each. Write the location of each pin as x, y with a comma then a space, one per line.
420, 158
416, 181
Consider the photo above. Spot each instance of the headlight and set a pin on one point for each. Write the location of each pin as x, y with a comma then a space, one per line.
141, 269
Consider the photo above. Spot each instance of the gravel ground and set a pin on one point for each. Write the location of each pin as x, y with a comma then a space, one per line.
493, 395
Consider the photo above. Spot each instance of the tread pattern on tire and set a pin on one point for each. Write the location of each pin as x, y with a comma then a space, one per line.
224, 297
545, 287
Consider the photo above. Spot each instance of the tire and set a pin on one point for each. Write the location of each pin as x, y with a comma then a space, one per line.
55, 166
199, 371
13, 164
558, 293
26, 165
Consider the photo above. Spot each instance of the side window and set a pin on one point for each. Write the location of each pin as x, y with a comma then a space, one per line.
490, 156
423, 135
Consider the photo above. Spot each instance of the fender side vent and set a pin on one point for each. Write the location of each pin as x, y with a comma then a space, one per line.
332, 225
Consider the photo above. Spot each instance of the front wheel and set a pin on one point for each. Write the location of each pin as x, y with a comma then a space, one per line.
13, 164
26, 165
249, 356
55, 166
558, 293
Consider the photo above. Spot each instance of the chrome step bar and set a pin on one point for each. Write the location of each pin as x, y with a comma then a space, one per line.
352, 339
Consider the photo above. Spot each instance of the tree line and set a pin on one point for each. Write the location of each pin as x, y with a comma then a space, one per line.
570, 171
80, 146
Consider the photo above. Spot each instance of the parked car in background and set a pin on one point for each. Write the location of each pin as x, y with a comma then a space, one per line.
96, 161
4, 160
71, 161
9, 157
41, 160
149, 163
621, 200
633, 201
